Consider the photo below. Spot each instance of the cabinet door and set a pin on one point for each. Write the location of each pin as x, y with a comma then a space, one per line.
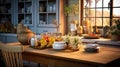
3, 39
6, 15
25, 12
47, 12
5, 10
47, 15
10, 39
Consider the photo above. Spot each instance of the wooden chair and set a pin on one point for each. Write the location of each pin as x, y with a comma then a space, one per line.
12, 55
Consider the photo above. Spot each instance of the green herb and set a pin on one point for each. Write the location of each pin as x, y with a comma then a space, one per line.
75, 41
72, 10
115, 28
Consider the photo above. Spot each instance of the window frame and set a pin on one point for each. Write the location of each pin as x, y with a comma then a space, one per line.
110, 8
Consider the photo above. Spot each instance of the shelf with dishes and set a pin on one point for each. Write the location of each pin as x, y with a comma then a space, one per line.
5, 11
47, 12
25, 12
25, 18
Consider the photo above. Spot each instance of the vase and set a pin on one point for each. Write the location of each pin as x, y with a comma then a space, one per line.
74, 33
25, 37
20, 28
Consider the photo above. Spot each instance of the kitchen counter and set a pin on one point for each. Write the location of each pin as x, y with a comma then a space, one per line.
8, 34
102, 41
8, 37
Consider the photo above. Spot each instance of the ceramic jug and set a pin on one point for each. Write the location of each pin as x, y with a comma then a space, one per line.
24, 34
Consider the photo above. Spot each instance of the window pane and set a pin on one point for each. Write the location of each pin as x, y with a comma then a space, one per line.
86, 12
92, 20
106, 12
93, 3
99, 3
115, 18
105, 3
116, 3
116, 12
98, 12
85, 3
92, 12
99, 21
89, 13
106, 21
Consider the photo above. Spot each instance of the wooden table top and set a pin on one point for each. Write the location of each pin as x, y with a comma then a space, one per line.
104, 56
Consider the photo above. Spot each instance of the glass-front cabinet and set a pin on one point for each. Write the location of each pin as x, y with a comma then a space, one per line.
25, 12
5, 11
47, 10
6, 16
38, 15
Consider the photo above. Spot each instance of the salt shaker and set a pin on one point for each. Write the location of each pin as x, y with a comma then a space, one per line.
34, 41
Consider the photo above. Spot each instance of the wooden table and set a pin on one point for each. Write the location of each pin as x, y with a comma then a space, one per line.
66, 58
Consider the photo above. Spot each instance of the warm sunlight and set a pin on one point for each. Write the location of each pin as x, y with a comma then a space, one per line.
98, 11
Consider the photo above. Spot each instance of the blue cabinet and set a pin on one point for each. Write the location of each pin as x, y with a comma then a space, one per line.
8, 37
47, 11
38, 14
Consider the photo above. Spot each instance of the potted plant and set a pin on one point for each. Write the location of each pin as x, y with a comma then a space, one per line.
114, 30
72, 11
74, 44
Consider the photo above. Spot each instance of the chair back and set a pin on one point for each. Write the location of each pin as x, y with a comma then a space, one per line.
12, 55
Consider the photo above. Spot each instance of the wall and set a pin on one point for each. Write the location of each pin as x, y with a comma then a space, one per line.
70, 2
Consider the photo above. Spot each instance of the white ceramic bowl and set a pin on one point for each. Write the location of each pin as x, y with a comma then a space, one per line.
59, 45
91, 45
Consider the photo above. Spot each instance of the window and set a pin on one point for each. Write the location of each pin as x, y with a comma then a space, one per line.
101, 12
116, 9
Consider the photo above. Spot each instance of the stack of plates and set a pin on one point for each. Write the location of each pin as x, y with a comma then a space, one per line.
91, 48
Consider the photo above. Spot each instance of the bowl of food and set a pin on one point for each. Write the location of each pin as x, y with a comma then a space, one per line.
91, 36
59, 45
